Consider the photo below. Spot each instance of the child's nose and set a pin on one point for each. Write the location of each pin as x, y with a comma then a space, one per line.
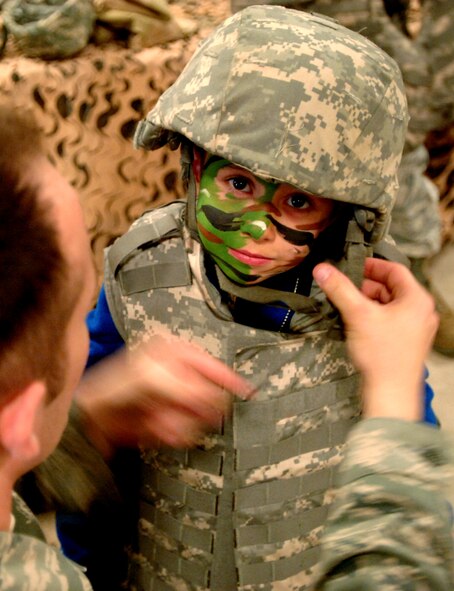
255, 228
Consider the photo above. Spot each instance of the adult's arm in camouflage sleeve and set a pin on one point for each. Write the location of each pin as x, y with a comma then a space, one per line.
165, 391
391, 526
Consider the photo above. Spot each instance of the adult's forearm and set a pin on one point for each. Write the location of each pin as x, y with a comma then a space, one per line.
390, 526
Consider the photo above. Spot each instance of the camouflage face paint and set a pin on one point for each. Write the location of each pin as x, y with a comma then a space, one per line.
235, 209
297, 237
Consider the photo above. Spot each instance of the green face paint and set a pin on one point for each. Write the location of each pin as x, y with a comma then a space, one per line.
234, 211
224, 223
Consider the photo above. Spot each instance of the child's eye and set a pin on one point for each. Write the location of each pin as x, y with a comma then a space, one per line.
298, 201
240, 183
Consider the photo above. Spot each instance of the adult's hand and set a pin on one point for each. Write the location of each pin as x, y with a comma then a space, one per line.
390, 325
165, 391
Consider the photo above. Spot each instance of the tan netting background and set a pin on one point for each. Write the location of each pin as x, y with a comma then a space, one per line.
88, 107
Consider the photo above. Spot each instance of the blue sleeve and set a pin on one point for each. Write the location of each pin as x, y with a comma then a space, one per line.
104, 336
429, 414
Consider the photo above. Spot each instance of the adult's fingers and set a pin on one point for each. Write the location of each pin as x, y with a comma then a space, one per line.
397, 279
384, 281
376, 291
338, 288
198, 361
175, 428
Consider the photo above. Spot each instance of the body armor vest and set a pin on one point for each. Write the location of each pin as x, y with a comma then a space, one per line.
244, 509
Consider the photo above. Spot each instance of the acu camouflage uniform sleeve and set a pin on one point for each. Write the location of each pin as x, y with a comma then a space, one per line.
391, 526
28, 564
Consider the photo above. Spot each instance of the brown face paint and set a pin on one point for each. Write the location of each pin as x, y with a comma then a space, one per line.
297, 237
221, 220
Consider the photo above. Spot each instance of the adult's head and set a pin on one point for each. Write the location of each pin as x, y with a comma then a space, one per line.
47, 286
292, 98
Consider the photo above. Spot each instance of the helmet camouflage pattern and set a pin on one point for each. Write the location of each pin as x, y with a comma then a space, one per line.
293, 97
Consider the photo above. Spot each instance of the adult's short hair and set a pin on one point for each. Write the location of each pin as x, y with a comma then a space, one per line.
34, 305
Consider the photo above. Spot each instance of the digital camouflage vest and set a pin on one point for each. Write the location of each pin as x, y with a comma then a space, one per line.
244, 509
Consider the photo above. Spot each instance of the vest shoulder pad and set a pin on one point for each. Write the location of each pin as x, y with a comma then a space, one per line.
138, 271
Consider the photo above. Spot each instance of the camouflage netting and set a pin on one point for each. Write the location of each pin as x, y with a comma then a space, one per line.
88, 106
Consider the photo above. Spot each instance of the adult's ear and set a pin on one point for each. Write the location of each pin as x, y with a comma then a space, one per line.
19, 419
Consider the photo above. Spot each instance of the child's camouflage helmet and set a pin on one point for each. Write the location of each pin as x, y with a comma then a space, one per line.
293, 97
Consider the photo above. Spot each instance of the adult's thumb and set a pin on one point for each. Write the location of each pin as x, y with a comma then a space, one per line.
338, 289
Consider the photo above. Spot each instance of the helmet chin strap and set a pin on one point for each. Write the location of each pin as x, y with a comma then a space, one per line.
191, 191
357, 244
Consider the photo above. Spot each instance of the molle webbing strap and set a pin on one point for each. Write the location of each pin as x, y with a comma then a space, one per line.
180, 492
199, 459
265, 455
137, 237
266, 572
356, 252
283, 530
263, 295
186, 534
259, 414
275, 493
172, 273
190, 570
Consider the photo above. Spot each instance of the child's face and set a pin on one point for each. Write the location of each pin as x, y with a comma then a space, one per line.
252, 228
